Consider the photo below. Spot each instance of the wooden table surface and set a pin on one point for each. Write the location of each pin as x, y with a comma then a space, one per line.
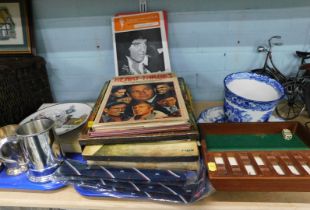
67, 198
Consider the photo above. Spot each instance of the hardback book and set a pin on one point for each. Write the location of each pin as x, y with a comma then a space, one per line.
141, 104
191, 134
186, 166
140, 129
140, 43
167, 151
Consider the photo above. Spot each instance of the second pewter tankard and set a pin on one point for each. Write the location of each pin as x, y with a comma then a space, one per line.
11, 151
39, 143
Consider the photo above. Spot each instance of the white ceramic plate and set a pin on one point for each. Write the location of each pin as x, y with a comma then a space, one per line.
67, 116
216, 115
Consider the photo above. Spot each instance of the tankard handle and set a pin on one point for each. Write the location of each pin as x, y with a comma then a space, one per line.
3, 142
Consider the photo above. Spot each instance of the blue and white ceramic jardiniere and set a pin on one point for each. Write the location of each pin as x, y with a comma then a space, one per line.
250, 97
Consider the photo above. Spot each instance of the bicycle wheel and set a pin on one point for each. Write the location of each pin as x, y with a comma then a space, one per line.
306, 92
289, 109
292, 105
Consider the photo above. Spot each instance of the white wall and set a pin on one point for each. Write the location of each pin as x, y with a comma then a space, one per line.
207, 40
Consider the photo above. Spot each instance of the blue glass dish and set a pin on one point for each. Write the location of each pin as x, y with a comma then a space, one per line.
21, 182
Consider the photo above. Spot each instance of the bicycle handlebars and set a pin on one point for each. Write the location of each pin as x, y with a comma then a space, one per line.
262, 48
270, 43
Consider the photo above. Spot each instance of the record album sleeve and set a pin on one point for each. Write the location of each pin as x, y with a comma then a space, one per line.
140, 43
147, 106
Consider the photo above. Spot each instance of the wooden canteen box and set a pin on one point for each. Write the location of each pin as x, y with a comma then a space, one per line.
257, 156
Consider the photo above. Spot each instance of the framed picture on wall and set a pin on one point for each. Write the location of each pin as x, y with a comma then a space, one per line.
15, 30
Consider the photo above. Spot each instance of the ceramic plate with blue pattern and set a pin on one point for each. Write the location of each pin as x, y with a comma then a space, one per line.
67, 116
216, 115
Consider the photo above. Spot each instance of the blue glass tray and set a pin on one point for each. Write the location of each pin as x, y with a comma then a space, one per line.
75, 156
21, 182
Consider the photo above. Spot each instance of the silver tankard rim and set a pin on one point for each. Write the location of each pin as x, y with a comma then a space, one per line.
20, 133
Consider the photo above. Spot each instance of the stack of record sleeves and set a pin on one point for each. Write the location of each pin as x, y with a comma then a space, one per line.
152, 184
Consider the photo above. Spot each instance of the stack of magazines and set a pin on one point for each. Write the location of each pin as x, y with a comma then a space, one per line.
143, 121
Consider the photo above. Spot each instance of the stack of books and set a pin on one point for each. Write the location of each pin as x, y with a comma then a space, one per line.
142, 121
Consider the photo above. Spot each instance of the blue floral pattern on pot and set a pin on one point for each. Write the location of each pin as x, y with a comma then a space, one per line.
247, 104
236, 115
241, 109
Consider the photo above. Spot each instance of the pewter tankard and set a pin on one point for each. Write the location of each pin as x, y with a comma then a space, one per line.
39, 143
11, 151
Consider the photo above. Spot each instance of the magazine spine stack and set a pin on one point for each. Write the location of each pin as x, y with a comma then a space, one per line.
161, 150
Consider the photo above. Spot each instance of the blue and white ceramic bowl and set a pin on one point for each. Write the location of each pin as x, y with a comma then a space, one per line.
250, 97
216, 115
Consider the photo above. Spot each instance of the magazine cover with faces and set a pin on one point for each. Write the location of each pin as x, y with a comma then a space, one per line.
143, 101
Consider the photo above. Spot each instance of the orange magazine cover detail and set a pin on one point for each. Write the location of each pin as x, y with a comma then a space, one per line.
134, 13
141, 21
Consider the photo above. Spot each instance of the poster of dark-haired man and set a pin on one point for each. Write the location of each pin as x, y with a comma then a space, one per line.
140, 48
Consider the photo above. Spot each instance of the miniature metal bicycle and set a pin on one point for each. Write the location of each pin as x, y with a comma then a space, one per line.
297, 95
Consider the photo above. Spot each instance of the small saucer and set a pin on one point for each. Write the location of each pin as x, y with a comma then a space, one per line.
212, 115
216, 115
